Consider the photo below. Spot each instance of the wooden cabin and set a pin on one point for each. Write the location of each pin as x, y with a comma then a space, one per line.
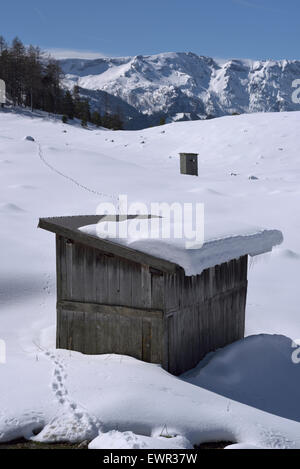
112, 299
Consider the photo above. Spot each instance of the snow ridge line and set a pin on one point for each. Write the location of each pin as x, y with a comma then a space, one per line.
74, 181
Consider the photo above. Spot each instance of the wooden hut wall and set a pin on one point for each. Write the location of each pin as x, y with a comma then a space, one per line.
107, 304
204, 312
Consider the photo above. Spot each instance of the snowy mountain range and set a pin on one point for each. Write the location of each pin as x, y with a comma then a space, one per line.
182, 86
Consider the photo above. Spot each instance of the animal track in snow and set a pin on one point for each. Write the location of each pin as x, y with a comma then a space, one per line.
69, 178
10, 208
26, 425
72, 422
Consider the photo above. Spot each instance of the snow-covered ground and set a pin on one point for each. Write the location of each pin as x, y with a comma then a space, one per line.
68, 170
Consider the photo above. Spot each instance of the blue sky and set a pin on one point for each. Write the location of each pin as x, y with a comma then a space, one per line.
257, 29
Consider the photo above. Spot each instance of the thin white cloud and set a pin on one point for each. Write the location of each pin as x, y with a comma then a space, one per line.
74, 54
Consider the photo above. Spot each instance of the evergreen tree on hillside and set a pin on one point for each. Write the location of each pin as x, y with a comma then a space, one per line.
51, 85
81, 106
96, 119
112, 121
3, 44
117, 123
68, 105
17, 70
33, 79
76, 100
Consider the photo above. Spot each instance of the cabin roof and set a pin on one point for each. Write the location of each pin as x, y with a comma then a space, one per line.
69, 228
164, 255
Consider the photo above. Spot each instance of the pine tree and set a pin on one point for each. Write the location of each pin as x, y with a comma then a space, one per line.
96, 119
51, 84
31, 78
17, 52
34, 80
116, 122
68, 105
3, 44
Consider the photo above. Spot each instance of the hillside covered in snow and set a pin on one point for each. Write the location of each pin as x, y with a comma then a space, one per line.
182, 86
249, 172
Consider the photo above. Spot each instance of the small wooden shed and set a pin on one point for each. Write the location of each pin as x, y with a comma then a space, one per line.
113, 299
189, 163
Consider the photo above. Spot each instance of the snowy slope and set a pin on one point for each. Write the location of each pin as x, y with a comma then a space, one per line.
70, 173
185, 85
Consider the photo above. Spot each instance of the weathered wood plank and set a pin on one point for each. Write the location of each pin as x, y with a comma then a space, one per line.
101, 267
77, 306
59, 276
157, 291
146, 287
157, 351
89, 277
113, 280
125, 283
146, 345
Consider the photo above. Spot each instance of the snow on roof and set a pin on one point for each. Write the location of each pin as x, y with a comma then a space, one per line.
220, 244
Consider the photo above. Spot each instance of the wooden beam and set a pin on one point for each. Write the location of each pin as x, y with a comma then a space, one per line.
79, 307
108, 246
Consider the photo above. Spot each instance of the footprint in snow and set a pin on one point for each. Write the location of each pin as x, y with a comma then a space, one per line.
10, 208
22, 186
6, 161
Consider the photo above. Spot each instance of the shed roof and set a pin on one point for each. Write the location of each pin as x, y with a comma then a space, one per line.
69, 228
166, 255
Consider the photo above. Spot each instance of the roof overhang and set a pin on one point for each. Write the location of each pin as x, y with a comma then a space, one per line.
68, 227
